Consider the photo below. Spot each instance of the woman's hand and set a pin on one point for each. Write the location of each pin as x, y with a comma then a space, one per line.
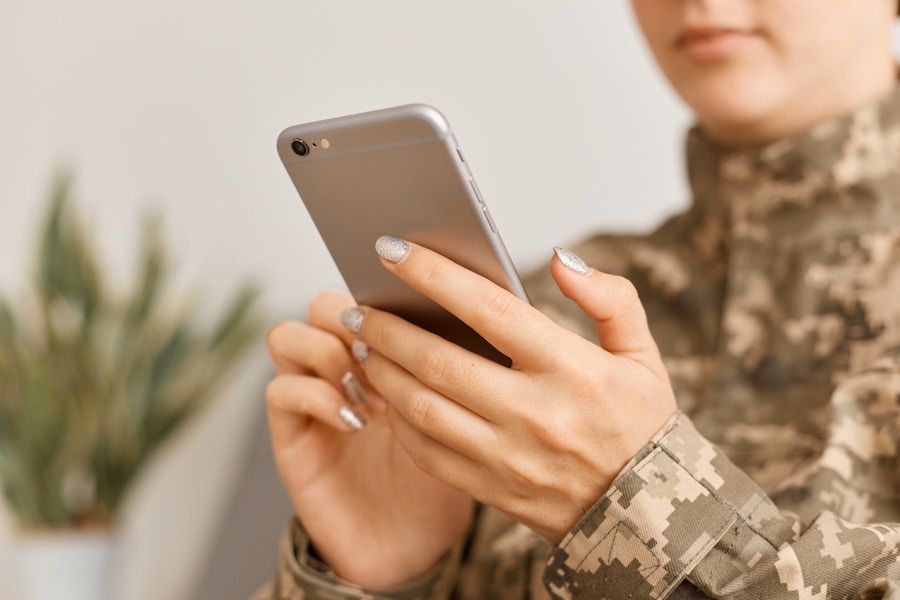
372, 515
542, 440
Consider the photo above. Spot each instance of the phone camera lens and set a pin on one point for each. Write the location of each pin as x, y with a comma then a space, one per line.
299, 147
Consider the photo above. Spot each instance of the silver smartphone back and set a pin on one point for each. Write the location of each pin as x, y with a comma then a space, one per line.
399, 172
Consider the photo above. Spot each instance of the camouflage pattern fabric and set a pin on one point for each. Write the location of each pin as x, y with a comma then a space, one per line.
775, 299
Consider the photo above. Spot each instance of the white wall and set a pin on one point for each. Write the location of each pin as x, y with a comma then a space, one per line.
177, 105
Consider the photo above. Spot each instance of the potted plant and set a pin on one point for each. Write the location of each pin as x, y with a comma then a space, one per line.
92, 384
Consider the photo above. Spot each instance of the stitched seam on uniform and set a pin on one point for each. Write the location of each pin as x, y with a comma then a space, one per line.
680, 573
647, 460
734, 538
729, 506
655, 450
735, 517
615, 533
742, 521
628, 477
671, 454
654, 446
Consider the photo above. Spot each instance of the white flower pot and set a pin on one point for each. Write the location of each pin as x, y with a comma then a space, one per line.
66, 564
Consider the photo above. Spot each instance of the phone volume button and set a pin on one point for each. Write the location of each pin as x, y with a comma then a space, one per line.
459, 151
476, 191
490, 220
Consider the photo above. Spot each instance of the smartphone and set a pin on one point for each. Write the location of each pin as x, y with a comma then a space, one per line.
400, 172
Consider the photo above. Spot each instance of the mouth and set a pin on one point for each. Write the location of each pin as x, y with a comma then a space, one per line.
713, 43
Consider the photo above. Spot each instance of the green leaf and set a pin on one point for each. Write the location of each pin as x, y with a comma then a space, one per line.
67, 268
10, 362
152, 271
234, 323
9, 329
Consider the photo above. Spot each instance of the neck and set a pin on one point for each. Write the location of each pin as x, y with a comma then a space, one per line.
819, 104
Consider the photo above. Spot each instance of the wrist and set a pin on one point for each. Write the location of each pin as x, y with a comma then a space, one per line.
391, 576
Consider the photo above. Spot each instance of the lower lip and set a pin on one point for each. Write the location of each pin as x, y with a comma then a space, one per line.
716, 47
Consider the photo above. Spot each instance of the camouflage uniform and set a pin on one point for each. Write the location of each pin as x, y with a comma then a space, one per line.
775, 299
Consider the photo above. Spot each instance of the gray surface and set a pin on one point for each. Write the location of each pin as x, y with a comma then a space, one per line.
246, 547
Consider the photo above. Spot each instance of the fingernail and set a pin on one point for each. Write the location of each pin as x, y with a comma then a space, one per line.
351, 418
391, 249
571, 260
352, 319
360, 350
353, 388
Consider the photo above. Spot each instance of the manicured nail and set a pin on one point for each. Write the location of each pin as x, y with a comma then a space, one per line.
352, 319
571, 260
353, 388
351, 418
391, 249
360, 350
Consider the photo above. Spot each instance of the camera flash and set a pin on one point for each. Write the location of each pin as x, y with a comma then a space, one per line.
325, 143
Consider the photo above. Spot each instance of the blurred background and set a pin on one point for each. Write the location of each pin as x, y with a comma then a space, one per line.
176, 106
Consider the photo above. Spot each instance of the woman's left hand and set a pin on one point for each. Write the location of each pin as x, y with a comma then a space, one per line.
543, 440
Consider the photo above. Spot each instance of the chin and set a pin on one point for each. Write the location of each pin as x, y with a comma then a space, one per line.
734, 108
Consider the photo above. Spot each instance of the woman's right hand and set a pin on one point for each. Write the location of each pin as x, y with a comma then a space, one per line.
371, 513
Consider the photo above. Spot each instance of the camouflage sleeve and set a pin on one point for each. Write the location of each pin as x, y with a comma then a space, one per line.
681, 510
301, 576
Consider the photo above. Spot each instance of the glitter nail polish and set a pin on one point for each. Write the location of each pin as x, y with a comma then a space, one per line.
360, 350
391, 249
352, 319
351, 418
353, 389
571, 260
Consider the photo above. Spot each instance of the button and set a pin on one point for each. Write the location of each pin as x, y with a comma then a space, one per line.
487, 214
459, 151
477, 192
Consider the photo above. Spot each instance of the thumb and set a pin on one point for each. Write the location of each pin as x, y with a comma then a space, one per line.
611, 301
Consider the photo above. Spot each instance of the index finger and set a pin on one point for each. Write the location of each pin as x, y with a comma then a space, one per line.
501, 318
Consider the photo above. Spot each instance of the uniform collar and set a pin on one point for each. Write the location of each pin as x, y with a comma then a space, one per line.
750, 188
